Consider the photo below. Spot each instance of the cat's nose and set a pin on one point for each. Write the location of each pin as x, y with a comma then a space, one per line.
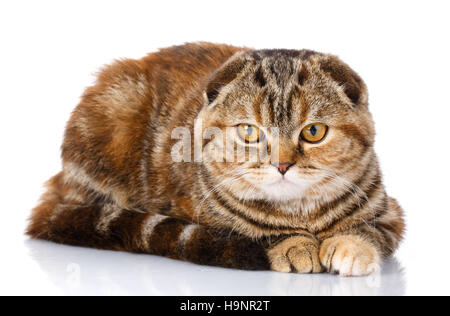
283, 167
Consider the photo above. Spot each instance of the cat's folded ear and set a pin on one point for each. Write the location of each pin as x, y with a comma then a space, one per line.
224, 75
354, 87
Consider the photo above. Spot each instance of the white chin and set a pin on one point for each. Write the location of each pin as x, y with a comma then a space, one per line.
284, 190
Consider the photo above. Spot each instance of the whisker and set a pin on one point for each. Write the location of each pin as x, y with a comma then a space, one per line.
358, 194
233, 178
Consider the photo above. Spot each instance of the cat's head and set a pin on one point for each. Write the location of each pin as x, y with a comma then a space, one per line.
304, 113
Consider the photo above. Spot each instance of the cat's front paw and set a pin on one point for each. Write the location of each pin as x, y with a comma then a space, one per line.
349, 256
295, 254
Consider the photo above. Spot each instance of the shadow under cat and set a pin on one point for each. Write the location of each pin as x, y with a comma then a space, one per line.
83, 271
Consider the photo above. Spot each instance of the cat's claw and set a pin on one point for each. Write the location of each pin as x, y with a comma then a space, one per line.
296, 254
349, 256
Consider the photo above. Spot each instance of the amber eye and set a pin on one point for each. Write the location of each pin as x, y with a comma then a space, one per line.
250, 133
314, 133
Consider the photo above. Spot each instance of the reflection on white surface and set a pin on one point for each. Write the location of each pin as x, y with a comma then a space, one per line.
82, 271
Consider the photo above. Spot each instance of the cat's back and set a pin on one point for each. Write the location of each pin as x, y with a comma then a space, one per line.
109, 133
175, 69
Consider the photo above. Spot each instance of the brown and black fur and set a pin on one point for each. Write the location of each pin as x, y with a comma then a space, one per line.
120, 189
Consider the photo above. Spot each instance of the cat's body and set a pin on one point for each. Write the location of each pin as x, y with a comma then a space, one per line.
120, 188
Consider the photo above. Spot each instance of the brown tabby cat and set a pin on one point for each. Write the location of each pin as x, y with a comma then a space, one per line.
320, 205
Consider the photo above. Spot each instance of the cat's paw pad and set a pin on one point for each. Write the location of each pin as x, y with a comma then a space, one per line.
349, 256
295, 254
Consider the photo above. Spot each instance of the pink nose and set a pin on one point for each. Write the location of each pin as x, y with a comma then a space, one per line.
283, 167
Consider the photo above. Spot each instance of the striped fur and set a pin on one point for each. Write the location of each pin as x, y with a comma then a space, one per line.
120, 190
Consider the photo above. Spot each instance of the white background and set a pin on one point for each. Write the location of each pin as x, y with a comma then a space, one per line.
49, 51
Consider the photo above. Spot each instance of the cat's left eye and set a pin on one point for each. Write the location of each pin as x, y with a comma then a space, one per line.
314, 133
250, 133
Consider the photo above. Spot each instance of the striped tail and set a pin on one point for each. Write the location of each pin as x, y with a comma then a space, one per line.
106, 226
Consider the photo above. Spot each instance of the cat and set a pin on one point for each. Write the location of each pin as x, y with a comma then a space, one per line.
312, 201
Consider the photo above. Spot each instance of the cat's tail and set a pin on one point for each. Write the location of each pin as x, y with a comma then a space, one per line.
106, 226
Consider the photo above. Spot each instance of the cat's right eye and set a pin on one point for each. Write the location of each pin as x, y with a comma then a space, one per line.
250, 133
